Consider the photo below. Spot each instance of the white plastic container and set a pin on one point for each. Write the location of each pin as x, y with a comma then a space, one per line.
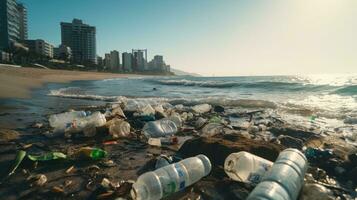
246, 167
171, 178
285, 178
159, 128
60, 121
176, 118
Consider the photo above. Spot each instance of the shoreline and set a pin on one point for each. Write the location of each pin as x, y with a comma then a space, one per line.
18, 82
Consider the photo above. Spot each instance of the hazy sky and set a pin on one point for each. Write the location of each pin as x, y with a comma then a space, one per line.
216, 37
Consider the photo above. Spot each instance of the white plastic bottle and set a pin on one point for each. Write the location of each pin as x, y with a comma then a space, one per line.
246, 167
159, 128
171, 178
119, 128
60, 121
285, 178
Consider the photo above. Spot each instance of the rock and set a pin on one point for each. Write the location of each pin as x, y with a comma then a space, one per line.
313, 191
218, 109
218, 148
290, 142
253, 129
8, 135
293, 132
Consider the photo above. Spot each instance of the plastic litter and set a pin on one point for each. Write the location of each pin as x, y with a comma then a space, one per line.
246, 167
162, 141
171, 178
176, 118
118, 112
159, 128
212, 129
200, 122
59, 121
92, 153
19, 158
47, 156
119, 128
202, 108
163, 161
86, 124
315, 154
285, 178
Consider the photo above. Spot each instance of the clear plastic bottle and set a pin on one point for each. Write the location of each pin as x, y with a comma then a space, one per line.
97, 119
171, 178
176, 118
246, 167
212, 129
60, 121
285, 178
159, 128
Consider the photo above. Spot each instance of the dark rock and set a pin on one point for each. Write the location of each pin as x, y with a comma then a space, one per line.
290, 142
218, 109
353, 159
218, 148
293, 132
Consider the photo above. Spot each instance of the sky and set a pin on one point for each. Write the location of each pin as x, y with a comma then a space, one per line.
216, 37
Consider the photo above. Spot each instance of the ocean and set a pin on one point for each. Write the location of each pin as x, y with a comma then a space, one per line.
328, 99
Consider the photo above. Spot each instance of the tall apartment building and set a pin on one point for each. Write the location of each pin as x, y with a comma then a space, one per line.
9, 23
114, 60
107, 61
140, 59
81, 38
127, 62
40, 47
23, 32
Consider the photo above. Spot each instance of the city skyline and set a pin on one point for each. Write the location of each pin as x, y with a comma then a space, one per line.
216, 38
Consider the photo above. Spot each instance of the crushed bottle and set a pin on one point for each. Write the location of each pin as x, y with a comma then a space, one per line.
246, 167
60, 121
86, 124
119, 128
159, 128
171, 178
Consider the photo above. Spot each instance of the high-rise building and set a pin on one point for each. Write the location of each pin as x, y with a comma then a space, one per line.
9, 23
107, 61
22, 22
127, 60
81, 38
62, 52
158, 64
40, 47
114, 60
140, 59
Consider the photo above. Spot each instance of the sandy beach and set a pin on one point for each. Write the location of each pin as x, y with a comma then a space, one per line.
17, 82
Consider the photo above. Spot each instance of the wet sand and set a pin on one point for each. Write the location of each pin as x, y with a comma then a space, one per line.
17, 82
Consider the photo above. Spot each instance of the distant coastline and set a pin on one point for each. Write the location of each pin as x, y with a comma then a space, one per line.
17, 82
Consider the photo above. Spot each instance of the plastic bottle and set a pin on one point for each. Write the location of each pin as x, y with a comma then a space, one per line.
93, 153
60, 121
246, 167
212, 129
163, 140
285, 178
86, 124
159, 128
176, 118
119, 128
171, 178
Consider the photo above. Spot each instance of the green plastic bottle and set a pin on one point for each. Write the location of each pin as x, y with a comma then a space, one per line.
93, 153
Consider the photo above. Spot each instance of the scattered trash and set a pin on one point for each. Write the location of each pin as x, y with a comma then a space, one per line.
163, 161
19, 158
215, 119
37, 180
117, 111
200, 122
59, 121
70, 169
246, 167
162, 140
316, 155
92, 153
212, 129
119, 128
47, 156
160, 128
285, 178
86, 124
173, 178
176, 118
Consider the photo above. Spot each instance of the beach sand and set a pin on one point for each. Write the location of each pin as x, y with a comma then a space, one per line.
17, 82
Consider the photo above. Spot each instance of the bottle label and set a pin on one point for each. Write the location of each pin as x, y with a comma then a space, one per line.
182, 177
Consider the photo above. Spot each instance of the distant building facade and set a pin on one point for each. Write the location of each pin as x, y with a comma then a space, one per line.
4, 57
107, 61
114, 60
158, 64
62, 52
23, 32
127, 62
100, 61
40, 47
81, 38
140, 59
10, 23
